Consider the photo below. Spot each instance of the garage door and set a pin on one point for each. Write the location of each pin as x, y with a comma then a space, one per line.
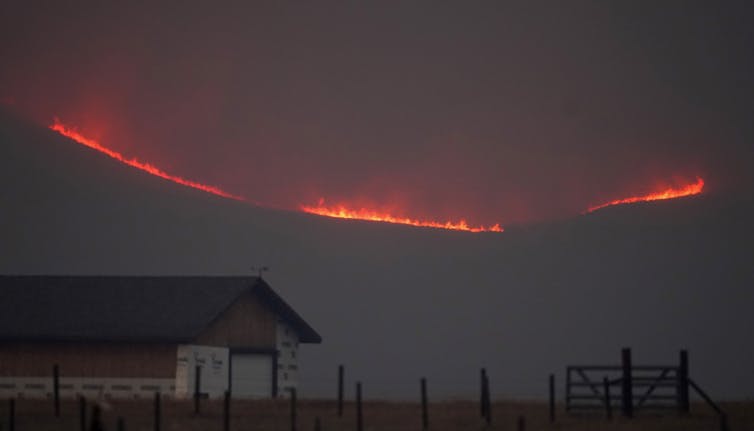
251, 375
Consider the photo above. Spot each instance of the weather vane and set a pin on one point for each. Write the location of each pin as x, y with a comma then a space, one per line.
260, 269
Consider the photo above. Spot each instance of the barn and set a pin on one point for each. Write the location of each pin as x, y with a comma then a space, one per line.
131, 336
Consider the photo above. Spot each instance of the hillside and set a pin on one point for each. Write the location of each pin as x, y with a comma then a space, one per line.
394, 303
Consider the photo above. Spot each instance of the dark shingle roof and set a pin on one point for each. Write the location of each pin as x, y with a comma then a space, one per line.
126, 308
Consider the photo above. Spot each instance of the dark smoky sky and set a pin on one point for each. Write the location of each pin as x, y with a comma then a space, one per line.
497, 112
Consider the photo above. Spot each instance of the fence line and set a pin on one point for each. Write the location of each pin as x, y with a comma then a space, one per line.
641, 387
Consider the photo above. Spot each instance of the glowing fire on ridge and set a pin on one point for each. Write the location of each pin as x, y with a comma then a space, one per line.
670, 193
72, 133
341, 211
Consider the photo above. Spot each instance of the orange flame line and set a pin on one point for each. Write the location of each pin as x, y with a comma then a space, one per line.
670, 193
342, 211
72, 133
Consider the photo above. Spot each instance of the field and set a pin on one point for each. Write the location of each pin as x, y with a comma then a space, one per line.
274, 415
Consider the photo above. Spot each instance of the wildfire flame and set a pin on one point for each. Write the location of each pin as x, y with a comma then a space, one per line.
670, 193
72, 133
341, 211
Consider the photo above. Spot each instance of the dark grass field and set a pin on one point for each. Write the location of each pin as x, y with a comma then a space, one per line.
273, 415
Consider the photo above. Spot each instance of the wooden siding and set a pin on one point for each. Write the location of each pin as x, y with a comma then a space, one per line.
246, 324
88, 360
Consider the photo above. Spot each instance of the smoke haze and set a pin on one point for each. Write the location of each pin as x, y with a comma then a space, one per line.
494, 113
394, 303
519, 114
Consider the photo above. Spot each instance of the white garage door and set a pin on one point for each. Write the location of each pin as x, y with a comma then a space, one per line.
251, 375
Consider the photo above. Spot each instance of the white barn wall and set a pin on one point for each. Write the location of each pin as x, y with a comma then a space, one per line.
214, 362
90, 387
287, 367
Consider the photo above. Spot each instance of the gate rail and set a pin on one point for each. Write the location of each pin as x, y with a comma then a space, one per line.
650, 387
630, 387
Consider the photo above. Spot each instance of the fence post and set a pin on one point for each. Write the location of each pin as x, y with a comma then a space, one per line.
12, 414
157, 412
683, 382
487, 402
724, 422
82, 412
359, 417
521, 423
226, 411
96, 419
425, 414
568, 390
317, 424
608, 402
121, 424
627, 396
482, 400
197, 387
293, 409
552, 398
341, 373
56, 388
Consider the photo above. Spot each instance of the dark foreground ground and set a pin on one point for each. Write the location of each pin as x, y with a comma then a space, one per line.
269, 415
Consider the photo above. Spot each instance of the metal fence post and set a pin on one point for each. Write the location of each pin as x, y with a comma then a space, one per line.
482, 399
226, 411
341, 373
627, 395
157, 411
197, 387
359, 416
293, 409
683, 382
487, 401
552, 398
608, 402
425, 414
12, 414
56, 388
82, 413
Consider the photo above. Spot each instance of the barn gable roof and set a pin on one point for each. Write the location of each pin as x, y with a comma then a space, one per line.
127, 308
